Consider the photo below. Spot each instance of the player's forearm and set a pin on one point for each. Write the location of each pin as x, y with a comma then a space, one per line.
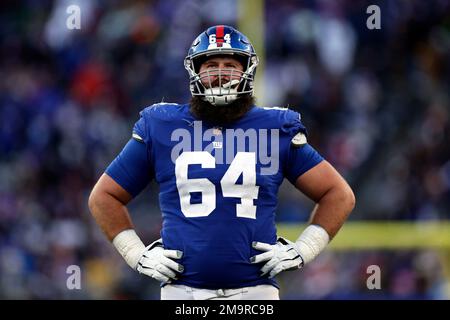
333, 209
109, 213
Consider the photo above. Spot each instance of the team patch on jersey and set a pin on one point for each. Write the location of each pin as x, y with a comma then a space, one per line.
137, 137
217, 144
299, 140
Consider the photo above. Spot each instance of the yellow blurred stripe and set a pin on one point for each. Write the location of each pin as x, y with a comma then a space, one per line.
383, 235
251, 22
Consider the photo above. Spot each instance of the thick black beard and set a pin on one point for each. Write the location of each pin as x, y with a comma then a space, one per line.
221, 115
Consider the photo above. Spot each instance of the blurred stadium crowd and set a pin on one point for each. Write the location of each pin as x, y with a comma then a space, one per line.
375, 102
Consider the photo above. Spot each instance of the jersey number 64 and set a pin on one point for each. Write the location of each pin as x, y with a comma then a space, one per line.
244, 163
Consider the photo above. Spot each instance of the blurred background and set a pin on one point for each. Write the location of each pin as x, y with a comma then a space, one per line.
375, 102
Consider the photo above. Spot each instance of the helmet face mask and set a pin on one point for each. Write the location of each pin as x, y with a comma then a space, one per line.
222, 41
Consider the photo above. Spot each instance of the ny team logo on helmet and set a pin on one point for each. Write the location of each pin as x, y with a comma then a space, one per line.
221, 40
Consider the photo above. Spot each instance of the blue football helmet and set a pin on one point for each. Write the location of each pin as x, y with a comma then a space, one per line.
221, 40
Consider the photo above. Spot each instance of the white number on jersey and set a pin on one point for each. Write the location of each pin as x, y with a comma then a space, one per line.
248, 191
185, 186
244, 163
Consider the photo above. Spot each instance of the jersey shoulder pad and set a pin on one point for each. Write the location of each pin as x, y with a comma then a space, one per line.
289, 121
141, 129
163, 111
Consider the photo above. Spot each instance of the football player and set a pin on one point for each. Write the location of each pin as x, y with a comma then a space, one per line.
219, 161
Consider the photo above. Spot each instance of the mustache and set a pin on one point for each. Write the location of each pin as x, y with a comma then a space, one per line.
217, 82
222, 82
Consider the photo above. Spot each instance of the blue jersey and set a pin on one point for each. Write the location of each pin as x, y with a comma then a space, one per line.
218, 185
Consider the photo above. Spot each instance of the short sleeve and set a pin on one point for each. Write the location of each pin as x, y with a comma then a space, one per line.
132, 168
300, 160
301, 156
140, 130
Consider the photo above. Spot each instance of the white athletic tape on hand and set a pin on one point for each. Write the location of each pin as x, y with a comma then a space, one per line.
311, 242
129, 246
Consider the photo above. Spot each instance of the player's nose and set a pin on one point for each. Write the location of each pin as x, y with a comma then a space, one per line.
222, 70
223, 74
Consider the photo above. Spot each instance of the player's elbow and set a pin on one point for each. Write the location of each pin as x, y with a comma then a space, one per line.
348, 198
92, 200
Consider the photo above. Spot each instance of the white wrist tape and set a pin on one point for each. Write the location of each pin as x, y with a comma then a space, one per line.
311, 242
129, 246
